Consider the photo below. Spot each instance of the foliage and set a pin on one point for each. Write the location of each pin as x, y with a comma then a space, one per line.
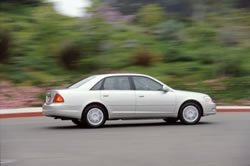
23, 2
4, 46
209, 54
169, 30
143, 58
150, 15
174, 54
179, 7
95, 33
69, 54
232, 65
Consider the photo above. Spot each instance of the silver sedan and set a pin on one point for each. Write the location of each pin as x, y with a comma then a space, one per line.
92, 101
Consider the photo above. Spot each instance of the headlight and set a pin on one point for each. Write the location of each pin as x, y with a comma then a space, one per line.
207, 99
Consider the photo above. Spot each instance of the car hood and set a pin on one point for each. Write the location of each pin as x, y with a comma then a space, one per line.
189, 93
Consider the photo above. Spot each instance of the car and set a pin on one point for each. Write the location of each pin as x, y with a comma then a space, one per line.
95, 99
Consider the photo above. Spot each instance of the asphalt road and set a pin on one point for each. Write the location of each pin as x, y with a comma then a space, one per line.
221, 140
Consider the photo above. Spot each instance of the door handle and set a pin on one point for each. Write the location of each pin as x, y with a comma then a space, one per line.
141, 96
105, 95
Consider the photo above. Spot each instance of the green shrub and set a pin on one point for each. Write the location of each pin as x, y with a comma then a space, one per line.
18, 77
209, 55
231, 65
230, 36
168, 30
176, 73
69, 55
4, 46
238, 87
42, 96
150, 15
201, 34
143, 58
207, 59
175, 54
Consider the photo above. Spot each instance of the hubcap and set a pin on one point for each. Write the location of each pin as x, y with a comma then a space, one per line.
95, 116
190, 113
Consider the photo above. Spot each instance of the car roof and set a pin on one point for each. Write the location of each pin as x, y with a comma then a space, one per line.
120, 74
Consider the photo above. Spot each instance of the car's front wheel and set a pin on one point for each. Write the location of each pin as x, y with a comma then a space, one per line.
94, 116
190, 113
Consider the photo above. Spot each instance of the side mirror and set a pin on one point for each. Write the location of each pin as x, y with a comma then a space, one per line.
164, 88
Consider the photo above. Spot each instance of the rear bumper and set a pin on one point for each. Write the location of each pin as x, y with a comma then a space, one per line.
209, 109
60, 110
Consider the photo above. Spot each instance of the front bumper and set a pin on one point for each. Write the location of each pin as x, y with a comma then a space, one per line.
60, 110
209, 109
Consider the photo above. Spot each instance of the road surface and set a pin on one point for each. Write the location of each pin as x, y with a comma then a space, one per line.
220, 140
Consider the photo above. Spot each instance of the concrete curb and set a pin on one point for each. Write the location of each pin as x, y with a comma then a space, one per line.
21, 112
37, 111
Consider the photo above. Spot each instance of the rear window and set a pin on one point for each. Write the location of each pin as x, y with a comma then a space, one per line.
81, 82
117, 83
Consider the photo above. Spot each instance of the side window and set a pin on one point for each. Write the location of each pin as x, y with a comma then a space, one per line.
117, 83
97, 86
144, 83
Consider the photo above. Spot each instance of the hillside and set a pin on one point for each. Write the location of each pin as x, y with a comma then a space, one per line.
200, 51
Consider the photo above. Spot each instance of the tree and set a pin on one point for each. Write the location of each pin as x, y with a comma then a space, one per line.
150, 15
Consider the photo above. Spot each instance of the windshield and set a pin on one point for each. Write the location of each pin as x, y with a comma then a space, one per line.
81, 82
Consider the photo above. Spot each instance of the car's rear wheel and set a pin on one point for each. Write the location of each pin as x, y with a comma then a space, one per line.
190, 113
94, 116
170, 120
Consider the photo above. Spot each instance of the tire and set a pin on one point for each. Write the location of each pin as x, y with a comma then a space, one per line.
190, 113
94, 116
171, 120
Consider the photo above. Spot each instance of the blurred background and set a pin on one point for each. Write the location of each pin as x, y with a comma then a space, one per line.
192, 45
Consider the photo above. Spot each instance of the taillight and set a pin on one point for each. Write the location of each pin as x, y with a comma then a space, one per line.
58, 99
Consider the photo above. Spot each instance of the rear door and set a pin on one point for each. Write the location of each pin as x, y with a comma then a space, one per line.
118, 95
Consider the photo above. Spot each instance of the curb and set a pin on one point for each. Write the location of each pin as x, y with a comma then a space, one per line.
21, 115
233, 108
37, 111
21, 112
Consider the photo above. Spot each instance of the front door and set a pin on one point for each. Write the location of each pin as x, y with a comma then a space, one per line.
151, 101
